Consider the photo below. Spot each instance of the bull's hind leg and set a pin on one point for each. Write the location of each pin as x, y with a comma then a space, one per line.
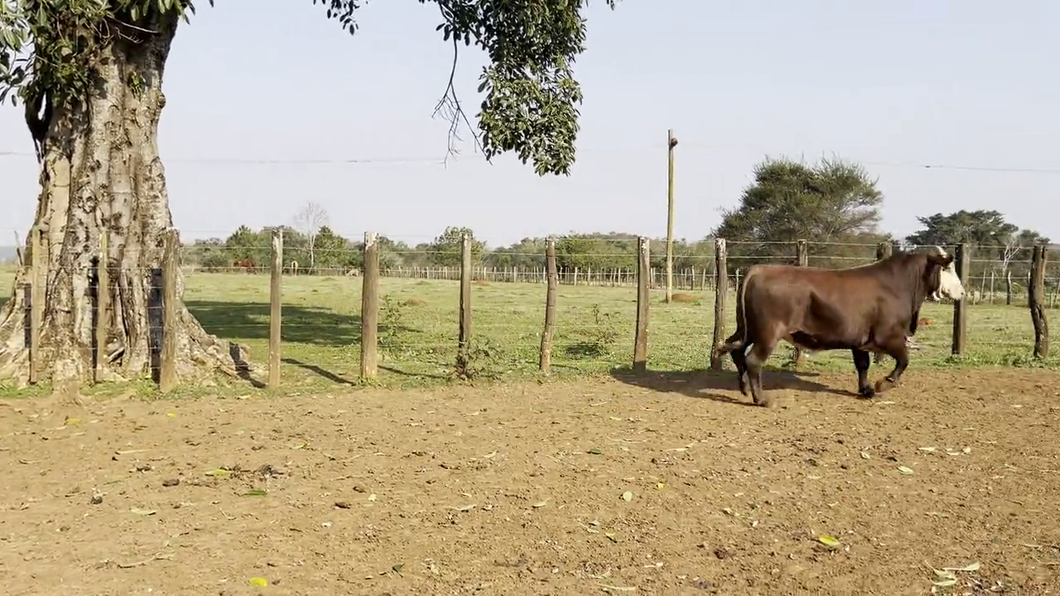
740, 360
756, 355
735, 348
895, 348
862, 361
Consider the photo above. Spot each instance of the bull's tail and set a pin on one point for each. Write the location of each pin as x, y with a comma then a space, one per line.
740, 340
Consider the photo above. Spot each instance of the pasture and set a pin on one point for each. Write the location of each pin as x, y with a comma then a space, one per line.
593, 481
594, 330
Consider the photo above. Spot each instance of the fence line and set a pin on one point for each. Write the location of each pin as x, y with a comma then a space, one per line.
714, 277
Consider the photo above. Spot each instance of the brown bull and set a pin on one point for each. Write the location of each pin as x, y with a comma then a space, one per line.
873, 308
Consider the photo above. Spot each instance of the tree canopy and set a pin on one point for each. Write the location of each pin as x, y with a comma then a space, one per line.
830, 201
983, 228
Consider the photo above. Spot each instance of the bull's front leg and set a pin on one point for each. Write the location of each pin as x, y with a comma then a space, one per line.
862, 361
897, 349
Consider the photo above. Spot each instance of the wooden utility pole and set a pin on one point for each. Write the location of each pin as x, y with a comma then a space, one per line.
671, 142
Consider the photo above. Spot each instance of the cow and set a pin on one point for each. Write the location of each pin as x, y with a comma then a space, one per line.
247, 265
869, 309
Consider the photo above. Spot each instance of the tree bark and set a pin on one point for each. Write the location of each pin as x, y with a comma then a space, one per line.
101, 174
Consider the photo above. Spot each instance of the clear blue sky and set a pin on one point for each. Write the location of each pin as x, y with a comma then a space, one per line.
902, 82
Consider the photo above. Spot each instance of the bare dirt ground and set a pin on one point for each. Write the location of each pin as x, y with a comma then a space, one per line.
523, 490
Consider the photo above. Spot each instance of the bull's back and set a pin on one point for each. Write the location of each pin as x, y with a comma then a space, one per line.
824, 307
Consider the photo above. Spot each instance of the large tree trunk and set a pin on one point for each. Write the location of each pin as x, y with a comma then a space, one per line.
101, 174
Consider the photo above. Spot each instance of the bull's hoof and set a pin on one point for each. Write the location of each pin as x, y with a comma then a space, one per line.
883, 385
867, 392
764, 402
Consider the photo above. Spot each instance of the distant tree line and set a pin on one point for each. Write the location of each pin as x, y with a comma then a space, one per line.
832, 204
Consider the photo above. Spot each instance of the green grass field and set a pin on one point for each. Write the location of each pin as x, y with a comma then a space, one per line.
418, 329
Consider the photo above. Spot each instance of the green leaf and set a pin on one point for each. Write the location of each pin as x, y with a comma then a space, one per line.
256, 492
828, 541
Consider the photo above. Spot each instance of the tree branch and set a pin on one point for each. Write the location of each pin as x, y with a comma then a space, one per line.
449, 104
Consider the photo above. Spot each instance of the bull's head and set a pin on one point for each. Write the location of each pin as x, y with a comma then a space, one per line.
940, 278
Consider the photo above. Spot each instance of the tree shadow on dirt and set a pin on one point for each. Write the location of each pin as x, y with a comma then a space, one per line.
301, 324
705, 384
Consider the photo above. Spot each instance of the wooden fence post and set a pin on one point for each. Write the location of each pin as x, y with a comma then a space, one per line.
802, 259
960, 307
37, 289
721, 290
370, 308
102, 304
275, 308
463, 355
802, 253
644, 271
1036, 302
167, 376
550, 306
884, 250
671, 143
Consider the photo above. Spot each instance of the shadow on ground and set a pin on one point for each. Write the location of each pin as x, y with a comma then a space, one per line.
324, 373
705, 384
301, 324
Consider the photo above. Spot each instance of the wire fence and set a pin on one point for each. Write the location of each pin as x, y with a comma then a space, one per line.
473, 317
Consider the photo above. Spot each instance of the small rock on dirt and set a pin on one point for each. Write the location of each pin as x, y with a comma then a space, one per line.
722, 553
702, 584
96, 499
169, 482
342, 504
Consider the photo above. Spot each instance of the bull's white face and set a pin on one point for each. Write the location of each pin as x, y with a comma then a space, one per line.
950, 285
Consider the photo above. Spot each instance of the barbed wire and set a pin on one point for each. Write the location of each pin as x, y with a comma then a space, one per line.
441, 161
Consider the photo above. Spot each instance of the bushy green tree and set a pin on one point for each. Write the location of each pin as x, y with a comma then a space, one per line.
448, 248
832, 201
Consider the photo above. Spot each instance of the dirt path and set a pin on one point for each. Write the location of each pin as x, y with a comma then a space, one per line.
519, 490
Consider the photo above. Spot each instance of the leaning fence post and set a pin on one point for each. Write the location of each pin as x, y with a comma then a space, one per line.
644, 271
1036, 302
275, 308
370, 308
550, 306
463, 356
960, 307
167, 376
